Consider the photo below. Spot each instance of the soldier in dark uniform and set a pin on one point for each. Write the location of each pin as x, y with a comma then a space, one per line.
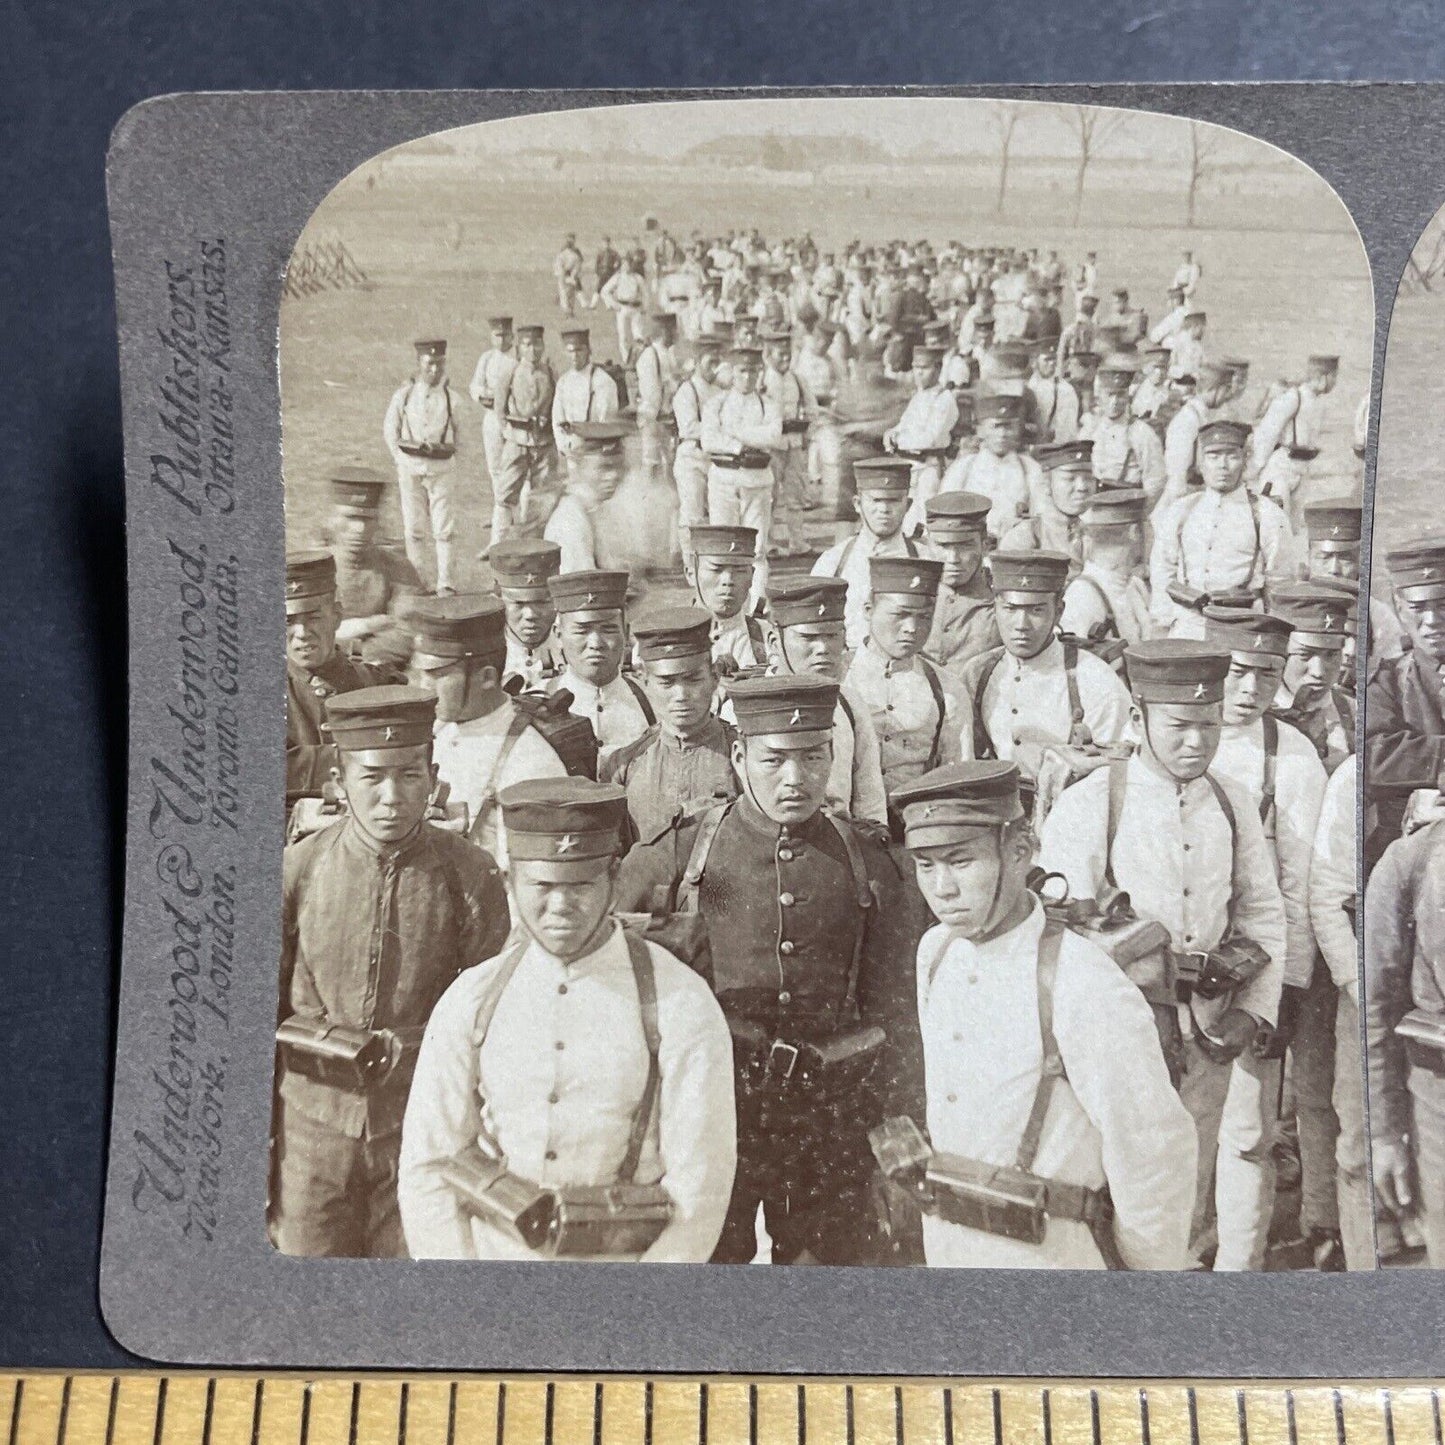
315, 670
373, 580
682, 763
812, 931
1405, 701
964, 624
1311, 697
520, 568
379, 913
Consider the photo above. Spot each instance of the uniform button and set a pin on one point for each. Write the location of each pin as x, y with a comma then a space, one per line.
785, 998
786, 946
958, 1038
561, 988
554, 1098
560, 1045
1186, 893
888, 707
1189, 938
1014, 711
785, 855
1186, 847
786, 899
551, 1156
973, 978
953, 1098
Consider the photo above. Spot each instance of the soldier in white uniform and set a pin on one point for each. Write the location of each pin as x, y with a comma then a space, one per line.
798, 408
482, 743
575, 1057
689, 464
924, 432
1036, 689
1163, 329
585, 393
1181, 437
489, 380
521, 567
1332, 534
1287, 438
1186, 346
1152, 391
718, 563
1127, 451
998, 470
1109, 599
594, 473
740, 428
1217, 541
805, 632
1056, 401
656, 369
1038, 1052
919, 711
963, 620
1189, 850
592, 632
881, 501
1068, 488
420, 430
524, 404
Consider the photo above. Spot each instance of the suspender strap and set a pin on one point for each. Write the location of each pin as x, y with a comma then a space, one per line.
1118, 782
1053, 1065
506, 966
1111, 617
844, 555
518, 725
863, 896
1071, 678
641, 696
1227, 808
646, 980
685, 900
910, 546
1271, 768
940, 706
983, 747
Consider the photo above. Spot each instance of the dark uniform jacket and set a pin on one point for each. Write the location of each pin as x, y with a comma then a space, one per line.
1404, 738
1404, 964
781, 914
964, 625
371, 937
664, 778
309, 756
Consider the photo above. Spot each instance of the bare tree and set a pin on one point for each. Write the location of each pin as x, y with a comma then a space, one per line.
1005, 117
1203, 145
1093, 128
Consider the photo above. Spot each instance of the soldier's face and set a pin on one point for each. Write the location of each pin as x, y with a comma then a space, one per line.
1045, 364
899, 624
1424, 621
530, 350
970, 884
1114, 403
1026, 621
431, 368
723, 584
1071, 489
707, 365
745, 374
816, 647
598, 471
1312, 667
996, 435
564, 905
1182, 736
1250, 687
961, 560
1222, 467
780, 355
579, 353
786, 776
311, 637
446, 680
925, 374
1326, 562
387, 789
353, 529
502, 339
882, 512
681, 690
529, 619
593, 644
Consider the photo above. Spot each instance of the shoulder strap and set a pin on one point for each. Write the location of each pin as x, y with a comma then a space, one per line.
910, 547
983, 747
1271, 769
1053, 1063
940, 706
1112, 619
641, 696
1071, 678
1118, 783
1227, 808
862, 895
844, 555
518, 725
847, 710
487, 1008
685, 899
646, 979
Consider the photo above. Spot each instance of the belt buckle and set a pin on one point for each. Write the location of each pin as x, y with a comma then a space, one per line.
791, 1051
1184, 987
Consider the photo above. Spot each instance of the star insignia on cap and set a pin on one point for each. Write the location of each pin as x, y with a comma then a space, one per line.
822, 608
566, 843
1335, 530
591, 599
916, 582
1199, 689
292, 588
533, 579
1329, 621
1025, 583
733, 546
928, 810
796, 718
1259, 639
390, 733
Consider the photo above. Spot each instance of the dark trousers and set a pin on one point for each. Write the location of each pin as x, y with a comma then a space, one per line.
806, 1161
335, 1195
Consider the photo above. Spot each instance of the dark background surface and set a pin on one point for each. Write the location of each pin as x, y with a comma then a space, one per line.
67, 73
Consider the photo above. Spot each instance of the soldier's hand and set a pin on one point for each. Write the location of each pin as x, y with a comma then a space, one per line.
1233, 1033
1391, 1166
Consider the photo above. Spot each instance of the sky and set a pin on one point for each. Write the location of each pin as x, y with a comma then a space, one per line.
906, 125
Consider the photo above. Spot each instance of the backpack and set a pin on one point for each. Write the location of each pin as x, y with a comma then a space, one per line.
619, 379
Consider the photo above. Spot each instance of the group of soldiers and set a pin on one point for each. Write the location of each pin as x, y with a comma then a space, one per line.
977, 890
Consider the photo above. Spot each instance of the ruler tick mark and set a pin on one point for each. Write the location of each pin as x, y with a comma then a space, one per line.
160, 1409
848, 1414
1193, 1416
15, 1412
898, 1415
1289, 1419
1048, 1414
305, 1412
1389, 1416
110, 1409
401, 1413
64, 1411
1435, 1414
259, 1400
1144, 1418
752, 1415
597, 1414
997, 1418
647, 1413
1243, 1419
948, 1415
1339, 1403
702, 1414
1094, 1415
452, 1414
210, 1414
550, 1413
501, 1410
802, 1416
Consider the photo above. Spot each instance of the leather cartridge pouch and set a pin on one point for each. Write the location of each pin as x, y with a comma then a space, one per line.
1233, 962
334, 1054
1423, 1031
1190, 597
997, 1199
606, 1221
487, 1190
795, 426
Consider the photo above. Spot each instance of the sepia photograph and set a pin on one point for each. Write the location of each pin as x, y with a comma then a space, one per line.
821, 640
1404, 748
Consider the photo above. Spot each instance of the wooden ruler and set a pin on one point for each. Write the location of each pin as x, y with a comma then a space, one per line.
184, 1408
